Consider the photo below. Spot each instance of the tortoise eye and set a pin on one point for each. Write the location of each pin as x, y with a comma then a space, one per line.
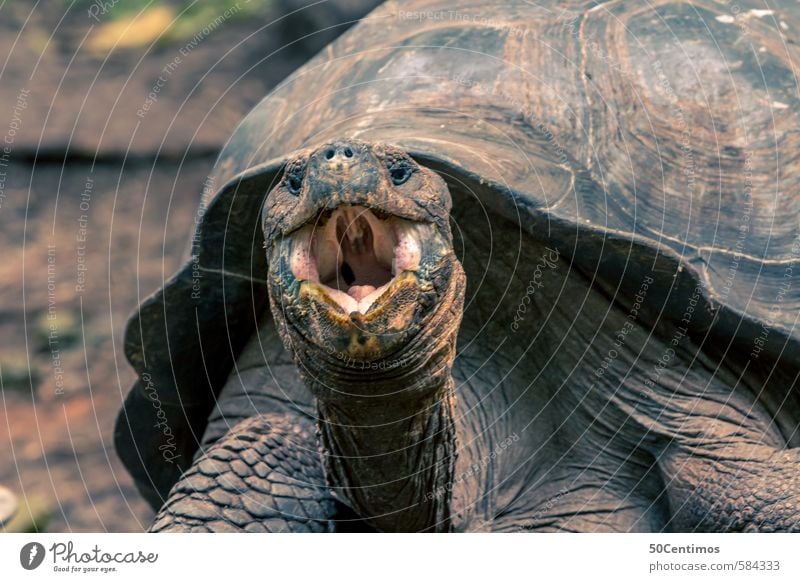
294, 177
400, 171
293, 184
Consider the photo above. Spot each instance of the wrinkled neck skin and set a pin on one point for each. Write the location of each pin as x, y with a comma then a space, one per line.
391, 458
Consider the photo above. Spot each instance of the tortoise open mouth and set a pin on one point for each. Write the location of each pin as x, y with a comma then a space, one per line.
356, 254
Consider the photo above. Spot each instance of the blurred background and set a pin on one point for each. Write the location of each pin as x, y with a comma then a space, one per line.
111, 115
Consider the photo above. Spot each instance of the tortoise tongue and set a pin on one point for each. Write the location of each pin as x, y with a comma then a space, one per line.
358, 292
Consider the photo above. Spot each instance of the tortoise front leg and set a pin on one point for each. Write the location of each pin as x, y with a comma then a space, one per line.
724, 464
265, 475
732, 486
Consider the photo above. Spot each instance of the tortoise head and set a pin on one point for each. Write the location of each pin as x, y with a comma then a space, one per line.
363, 276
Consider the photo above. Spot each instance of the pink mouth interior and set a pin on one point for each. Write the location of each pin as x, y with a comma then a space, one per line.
355, 255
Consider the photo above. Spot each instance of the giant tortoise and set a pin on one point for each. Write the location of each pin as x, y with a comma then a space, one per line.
518, 266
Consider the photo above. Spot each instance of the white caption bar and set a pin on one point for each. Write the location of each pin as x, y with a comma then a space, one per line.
407, 558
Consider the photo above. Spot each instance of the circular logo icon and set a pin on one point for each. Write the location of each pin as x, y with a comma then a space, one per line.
31, 555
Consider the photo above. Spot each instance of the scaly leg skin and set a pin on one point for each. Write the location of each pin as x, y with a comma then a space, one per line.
265, 475
738, 487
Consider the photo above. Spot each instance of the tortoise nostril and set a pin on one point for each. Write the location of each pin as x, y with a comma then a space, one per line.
338, 154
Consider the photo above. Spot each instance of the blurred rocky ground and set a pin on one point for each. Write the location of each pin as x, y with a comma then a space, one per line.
111, 113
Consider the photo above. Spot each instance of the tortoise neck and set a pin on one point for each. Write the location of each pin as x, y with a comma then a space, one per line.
386, 427
393, 463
